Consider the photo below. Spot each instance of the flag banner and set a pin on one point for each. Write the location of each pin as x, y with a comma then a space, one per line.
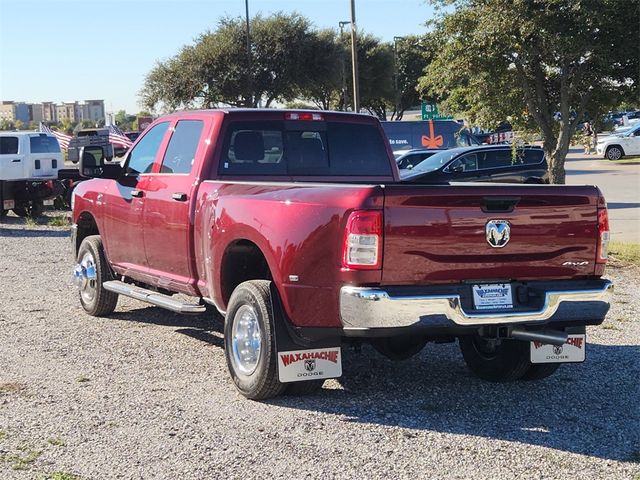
63, 138
117, 137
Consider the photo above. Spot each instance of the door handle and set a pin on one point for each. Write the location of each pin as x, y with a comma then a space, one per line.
16, 160
180, 197
137, 193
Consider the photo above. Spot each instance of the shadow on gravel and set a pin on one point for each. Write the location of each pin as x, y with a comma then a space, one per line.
588, 172
616, 205
25, 232
199, 327
589, 408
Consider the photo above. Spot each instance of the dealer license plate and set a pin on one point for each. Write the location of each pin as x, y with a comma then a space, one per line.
300, 365
573, 350
47, 202
492, 296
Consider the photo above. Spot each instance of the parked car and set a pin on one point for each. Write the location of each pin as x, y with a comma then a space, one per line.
29, 165
616, 146
407, 159
486, 163
294, 225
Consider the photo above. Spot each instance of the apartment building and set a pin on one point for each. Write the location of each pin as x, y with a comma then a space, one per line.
92, 110
13, 111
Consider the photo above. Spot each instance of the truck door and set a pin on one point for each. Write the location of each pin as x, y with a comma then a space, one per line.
169, 210
123, 202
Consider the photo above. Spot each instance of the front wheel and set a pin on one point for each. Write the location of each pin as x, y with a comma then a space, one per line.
495, 360
249, 341
91, 271
614, 153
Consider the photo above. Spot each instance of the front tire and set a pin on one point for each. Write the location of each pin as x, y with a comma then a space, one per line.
614, 152
495, 360
249, 341
92, 271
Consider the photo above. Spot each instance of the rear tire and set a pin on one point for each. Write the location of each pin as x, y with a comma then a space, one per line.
495, 361
249, 341
95, 300
30, 209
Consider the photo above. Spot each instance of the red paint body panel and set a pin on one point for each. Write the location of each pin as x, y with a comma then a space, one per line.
432, 234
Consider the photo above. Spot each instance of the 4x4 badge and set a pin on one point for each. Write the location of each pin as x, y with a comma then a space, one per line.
498, 233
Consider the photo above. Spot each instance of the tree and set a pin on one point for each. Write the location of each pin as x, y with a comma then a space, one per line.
412, 55
7, 124
19, 125
214, 70
526, 60
323, 85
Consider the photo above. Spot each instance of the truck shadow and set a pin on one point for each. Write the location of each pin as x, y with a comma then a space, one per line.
580, 409
26, 232
588, 409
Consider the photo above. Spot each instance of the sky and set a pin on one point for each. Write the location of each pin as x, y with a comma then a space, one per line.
65, 50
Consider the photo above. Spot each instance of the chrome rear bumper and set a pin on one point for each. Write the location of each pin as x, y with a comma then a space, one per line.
371, 308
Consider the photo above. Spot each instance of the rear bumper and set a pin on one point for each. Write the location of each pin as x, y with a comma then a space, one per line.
367, 309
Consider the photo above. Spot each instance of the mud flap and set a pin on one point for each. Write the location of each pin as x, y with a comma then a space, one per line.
301, 359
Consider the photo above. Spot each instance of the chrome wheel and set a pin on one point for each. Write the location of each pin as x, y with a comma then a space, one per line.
614, 153
246, 340
86, 278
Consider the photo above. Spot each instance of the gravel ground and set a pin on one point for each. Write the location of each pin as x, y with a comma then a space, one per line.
145, 394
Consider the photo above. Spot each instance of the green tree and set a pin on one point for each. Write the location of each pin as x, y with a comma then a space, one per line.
324, 72
7, 125
412, 55
525, 60
214, 70
20, 125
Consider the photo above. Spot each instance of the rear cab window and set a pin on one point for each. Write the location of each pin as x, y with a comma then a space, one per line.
304, 148
44, 144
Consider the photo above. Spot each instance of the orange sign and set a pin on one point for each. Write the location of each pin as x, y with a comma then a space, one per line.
432, 141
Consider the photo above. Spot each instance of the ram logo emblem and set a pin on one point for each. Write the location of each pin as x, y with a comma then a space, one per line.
498, 233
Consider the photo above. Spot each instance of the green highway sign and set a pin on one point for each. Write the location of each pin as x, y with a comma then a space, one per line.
430, 112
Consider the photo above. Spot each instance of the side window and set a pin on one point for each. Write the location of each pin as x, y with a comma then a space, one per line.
532, 157
253, 148
143, 155
8, 145
182, 147
495, 159
467, 163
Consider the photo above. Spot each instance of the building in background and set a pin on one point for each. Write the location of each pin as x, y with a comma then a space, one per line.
13, 111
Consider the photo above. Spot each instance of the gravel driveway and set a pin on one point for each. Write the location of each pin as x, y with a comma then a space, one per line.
145, 394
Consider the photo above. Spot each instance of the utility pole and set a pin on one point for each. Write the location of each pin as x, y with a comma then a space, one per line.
354, 58
395, 76
344, 77
249, 67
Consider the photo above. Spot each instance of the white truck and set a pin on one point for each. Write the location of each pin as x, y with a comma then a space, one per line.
29, 165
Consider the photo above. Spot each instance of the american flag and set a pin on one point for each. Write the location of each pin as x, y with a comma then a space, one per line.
63, 139
117, 137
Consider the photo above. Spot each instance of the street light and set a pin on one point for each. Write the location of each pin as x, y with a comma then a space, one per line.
344, 77
354, 58
249, 79
395, 77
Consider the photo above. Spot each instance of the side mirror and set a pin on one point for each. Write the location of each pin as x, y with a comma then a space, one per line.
93, 163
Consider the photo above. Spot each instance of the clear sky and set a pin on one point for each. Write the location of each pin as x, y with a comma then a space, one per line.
64, 50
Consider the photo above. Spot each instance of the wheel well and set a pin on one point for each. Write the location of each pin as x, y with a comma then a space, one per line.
243, 260
86, 226
615, 145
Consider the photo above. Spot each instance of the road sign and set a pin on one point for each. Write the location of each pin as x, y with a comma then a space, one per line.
430, 112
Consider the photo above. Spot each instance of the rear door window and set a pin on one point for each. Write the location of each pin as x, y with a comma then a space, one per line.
44, 144
8, 145
532, 157
182, 147
495, 159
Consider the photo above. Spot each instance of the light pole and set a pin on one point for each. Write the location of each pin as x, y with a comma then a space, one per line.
344, 77
395, 76
354, 58
249, 75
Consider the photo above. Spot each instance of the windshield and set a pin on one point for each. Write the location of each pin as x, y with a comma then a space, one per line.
434, 162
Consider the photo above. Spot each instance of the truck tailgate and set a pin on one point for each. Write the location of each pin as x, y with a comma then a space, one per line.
437, 234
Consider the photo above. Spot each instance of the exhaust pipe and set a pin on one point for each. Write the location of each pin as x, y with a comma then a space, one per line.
549, 337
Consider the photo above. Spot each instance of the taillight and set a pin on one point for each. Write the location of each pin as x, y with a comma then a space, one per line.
304, 116
603, 234
362, 248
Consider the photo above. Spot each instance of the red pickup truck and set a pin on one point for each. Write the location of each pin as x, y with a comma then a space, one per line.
294, 225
